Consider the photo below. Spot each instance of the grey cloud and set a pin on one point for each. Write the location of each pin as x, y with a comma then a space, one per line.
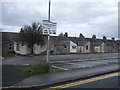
79, 17
21, 13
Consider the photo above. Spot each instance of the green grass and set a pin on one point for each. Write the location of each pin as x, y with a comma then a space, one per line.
8, 55
56, 70
38, 68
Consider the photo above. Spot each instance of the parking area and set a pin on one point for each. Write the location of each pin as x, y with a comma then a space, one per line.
66, 62
79, 64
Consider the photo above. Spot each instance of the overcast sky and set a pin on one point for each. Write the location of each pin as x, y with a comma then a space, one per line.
88, 18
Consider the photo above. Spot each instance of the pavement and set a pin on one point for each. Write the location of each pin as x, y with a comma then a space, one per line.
57, 77
80, 67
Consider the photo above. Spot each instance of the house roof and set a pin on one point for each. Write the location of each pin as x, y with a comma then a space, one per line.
57, 39
64, 42
97, 43
9, 36
118, 42
80, 41
108, 42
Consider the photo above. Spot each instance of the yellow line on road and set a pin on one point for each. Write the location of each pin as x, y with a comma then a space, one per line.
83, 81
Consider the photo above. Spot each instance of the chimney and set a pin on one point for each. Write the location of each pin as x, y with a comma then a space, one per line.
81, 35
94, 37
104, 38
113, 39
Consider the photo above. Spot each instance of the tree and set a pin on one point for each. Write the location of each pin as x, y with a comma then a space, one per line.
32, 34
66, 34
61, 34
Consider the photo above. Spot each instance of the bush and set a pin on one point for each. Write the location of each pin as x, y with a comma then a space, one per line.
26, 70
39, 68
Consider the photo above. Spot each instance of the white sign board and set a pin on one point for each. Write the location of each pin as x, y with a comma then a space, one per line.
49, 27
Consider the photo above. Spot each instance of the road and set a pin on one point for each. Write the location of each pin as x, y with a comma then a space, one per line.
21, 60
65, 62
12, 75
105, 81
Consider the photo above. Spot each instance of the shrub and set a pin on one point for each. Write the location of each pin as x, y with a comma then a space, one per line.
39, 68
26, 70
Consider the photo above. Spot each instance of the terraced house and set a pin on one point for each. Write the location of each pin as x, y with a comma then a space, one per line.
60, 44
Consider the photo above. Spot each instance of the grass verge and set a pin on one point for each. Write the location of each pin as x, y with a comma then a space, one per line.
39, 68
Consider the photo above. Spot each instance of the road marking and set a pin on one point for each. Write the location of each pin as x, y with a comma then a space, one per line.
83, 66
73, 63
1, 57
56, 61
59, 67
84, 81
76, 60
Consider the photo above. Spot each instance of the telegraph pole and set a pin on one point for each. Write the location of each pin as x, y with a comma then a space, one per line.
48, 48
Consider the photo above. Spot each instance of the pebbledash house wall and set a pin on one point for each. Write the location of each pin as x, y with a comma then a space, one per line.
20, 48
25, 49
7, 47
87, 50
71, 47
80, 49
60, 48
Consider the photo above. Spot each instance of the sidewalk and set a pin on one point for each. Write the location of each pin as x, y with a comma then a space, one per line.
56, 77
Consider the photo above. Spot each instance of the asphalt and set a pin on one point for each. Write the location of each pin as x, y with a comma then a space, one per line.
56, 77
79, 66
12, 75
111, 82
21, 60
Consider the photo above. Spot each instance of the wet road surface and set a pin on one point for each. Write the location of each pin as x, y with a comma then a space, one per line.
12, 75
20, 60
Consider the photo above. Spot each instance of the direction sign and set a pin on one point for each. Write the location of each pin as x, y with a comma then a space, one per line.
49, 27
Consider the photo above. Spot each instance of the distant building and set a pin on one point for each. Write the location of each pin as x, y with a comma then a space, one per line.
58, 45
63, 45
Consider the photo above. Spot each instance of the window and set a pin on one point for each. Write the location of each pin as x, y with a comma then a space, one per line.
10, 46
65, 46
28, 46
73, 47
87, 47
22, 44
17, 47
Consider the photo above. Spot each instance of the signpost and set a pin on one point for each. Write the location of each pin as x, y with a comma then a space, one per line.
48, 29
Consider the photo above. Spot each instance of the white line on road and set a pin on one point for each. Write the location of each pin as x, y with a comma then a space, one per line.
73, 63
83, 66
59, 67
1, 57
56, 61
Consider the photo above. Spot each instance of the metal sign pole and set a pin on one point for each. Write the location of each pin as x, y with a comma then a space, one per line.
48, 49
